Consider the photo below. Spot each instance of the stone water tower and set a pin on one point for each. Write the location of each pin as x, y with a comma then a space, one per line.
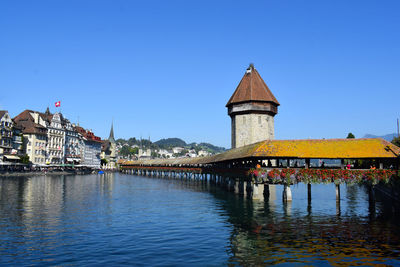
252, 108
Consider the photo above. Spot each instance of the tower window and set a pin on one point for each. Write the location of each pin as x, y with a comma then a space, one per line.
259, 119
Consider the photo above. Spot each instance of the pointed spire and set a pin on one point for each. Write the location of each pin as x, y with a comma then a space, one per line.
47, 111
111, 138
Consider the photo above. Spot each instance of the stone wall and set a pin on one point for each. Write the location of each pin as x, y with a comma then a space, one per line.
251, 128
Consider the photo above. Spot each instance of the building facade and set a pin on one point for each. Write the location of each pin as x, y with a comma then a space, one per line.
55, 138
91, 148
74, 144
50, 139
34, 131
18, 148
6, 136
252, 108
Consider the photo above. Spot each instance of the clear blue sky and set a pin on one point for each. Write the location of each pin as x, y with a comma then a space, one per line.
167, 68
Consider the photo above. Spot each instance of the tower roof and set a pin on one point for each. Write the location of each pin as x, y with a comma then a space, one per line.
252, 88
111, 137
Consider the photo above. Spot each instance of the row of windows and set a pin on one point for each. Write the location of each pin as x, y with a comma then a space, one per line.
40, 144
55, 153
56, 132
6, 124
39, 160
56, 140
5, 142
40, 152
6, 133
39, 137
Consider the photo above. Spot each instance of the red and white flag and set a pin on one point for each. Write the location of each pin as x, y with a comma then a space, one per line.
58, 103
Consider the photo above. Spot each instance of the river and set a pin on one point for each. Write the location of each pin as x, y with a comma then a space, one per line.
117, 219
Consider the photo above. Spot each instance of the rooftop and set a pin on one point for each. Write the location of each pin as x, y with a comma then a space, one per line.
364, 148
252, 88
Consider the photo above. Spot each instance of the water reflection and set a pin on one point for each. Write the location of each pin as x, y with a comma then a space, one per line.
114, 218
266, 234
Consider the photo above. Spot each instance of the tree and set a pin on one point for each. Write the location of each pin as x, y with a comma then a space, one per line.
25, 159
350, 135
155, 155
124, 151
134, 150
396, 141
103, 162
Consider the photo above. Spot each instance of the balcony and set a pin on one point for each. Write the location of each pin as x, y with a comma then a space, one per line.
17, 139
6, 145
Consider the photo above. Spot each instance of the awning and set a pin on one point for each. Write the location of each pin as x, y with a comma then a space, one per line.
73, 159
12, 157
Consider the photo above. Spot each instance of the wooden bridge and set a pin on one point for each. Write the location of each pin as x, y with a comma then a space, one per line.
232, 169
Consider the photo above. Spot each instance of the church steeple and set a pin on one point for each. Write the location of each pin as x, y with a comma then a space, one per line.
47, 111
111, 138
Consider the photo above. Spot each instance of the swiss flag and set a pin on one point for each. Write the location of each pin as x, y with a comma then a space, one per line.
58, 103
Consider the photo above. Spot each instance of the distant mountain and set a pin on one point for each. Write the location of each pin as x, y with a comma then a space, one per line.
170, 142
387, 137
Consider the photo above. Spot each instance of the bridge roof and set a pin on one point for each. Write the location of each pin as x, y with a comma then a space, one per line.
316, 148
310, 148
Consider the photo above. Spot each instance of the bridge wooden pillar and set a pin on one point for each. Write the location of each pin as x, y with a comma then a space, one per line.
236, 186
307, 164
371, 201
266, 191
232, 185
249, 189
258, 191
241, 190
381, 165
287, 193
337, 193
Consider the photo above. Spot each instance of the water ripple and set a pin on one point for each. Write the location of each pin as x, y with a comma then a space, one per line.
117, 219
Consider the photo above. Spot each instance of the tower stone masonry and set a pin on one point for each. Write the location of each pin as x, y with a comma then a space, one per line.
252, 108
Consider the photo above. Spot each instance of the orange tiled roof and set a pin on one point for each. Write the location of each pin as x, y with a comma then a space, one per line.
311, 148
252, 88
318, 148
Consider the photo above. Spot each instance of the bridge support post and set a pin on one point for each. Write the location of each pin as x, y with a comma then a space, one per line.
232, 185
249, 189
338, 193
371, 201
258, 191
309, 192
307, 164
381, 165
266, 191
241, 187
236, 186
226, 183
287, 193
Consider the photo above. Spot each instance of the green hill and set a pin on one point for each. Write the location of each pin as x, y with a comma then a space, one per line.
170, 142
